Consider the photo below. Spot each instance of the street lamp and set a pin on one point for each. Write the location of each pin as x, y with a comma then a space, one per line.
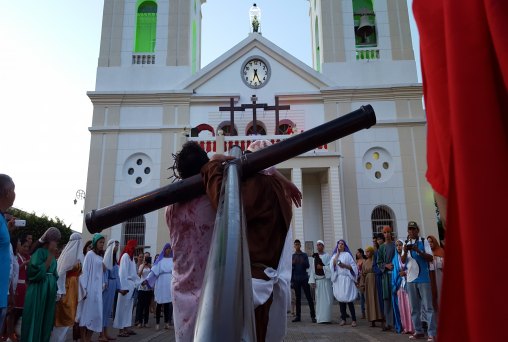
80, 195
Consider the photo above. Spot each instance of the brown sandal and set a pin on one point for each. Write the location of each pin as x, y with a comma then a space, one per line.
123, 334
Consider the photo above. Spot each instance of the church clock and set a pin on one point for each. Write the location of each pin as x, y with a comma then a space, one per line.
255, 72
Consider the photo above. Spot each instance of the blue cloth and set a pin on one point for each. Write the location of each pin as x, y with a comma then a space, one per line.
108, 296
424, 275
396, 284
5, 261
379, 282
300, 266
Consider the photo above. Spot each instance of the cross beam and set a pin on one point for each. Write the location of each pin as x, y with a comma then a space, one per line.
277, 108
232, 109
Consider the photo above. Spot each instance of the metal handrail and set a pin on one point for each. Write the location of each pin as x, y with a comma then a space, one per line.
226, 311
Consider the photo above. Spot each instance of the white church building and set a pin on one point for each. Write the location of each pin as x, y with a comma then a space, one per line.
151, 96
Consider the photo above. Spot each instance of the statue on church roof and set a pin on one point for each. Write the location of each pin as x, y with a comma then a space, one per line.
255, 18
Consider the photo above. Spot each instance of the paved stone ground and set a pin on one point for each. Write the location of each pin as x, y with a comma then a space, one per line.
301, 331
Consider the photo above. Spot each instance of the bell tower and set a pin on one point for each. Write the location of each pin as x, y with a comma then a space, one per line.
362, 42
148, 44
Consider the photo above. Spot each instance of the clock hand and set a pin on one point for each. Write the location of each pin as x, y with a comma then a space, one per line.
256, 75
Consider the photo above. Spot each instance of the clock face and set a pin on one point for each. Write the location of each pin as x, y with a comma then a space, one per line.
255, 72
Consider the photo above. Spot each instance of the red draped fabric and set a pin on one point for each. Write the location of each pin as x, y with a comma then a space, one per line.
464, 54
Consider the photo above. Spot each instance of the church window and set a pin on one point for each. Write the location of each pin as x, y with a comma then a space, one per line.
286, 127
138, 170
202, 130
376, 162
146, 27
382, 216
225, 126
134, 229
365, 23
260, 128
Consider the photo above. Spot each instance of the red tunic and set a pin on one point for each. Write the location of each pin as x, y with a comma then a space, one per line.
19, 300
464, 54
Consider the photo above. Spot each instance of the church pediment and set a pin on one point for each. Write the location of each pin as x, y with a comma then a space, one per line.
279, 71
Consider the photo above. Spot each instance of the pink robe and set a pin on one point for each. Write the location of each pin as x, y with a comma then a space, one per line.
190, 229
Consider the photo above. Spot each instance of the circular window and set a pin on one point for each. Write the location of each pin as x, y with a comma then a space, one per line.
377, 164
137, 170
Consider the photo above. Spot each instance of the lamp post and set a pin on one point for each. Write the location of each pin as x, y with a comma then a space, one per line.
80, 195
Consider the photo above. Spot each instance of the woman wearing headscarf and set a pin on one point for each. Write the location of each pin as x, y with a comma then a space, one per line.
368, 285
112, 285
344, 274
129, 280
400, 297
89, 316
436, 270
160, 278
40, 299
68, 268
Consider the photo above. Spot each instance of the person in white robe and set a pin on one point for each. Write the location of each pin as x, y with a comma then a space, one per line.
160, 278
129, 280
91, 284
320, 279
344, 274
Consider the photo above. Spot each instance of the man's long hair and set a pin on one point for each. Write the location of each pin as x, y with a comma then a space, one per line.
190, 160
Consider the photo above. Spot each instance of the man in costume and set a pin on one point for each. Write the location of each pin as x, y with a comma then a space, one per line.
268, 213
320, 279
385, 256
466, 101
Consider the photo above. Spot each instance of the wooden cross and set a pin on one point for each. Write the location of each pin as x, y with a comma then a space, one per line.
232, 110
254, 106
277, 108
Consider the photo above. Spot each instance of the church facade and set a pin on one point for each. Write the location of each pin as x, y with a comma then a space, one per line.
151, 96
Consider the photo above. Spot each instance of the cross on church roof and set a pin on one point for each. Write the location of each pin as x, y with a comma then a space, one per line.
254, 106
232, 110
277, 108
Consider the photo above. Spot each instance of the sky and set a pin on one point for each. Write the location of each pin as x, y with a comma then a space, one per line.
48, 62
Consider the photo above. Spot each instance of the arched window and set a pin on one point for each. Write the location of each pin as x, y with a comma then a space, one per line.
134, 229
205, 128
365, 23
225, 126
286, 127
146, 27
260, 127
318, 52
382, 216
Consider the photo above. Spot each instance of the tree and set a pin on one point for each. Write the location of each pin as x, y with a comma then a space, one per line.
37, 225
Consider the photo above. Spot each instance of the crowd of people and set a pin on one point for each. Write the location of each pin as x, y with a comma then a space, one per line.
397, 282
85, 288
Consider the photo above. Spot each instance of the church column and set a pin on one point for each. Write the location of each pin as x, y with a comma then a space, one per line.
296, 178
335, 203
328, 233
